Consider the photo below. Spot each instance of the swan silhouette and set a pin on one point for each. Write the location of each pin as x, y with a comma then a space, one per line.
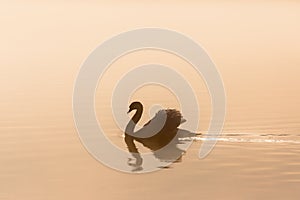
163, 130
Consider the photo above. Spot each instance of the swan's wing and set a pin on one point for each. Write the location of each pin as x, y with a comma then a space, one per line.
160, 116
172, 117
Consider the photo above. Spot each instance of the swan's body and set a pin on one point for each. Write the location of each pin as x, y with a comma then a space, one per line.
171, 120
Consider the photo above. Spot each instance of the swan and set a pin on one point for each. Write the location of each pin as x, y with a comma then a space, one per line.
163, 128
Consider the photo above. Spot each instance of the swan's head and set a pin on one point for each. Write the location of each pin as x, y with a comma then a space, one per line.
135, 106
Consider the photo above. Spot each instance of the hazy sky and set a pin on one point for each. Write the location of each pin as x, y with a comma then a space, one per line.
254, 45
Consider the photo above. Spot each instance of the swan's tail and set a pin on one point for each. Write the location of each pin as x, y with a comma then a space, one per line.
182, 120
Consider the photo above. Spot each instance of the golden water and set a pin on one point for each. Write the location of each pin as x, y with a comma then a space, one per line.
255, 47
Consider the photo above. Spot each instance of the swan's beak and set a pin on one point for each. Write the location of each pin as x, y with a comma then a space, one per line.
129, 110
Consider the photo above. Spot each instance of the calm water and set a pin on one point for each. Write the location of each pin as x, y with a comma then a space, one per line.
256, 157
42, 157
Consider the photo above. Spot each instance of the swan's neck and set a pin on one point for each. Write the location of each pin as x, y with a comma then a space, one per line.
137, 116
134, 120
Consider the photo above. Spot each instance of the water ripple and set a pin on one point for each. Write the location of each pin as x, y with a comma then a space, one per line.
240, 138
